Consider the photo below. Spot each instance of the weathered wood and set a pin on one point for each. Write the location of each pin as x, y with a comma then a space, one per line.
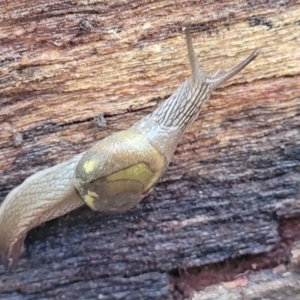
235, 173
281, 282
263, 285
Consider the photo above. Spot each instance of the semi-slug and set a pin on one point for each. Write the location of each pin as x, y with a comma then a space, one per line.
117, 172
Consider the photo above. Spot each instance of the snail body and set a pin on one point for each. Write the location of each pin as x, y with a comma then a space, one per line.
117, 172
43, 196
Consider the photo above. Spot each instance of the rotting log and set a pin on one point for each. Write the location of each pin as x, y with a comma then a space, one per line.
281, 282
268, 284
235, 173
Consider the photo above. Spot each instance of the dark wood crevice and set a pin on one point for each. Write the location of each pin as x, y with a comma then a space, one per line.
185, 282
230, 198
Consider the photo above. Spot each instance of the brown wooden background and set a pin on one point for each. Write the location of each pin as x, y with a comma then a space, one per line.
234, 178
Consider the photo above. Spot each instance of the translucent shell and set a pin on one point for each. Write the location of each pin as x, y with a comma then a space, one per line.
117, 172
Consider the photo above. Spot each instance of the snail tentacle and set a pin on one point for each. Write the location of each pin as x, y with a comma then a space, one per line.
117, 172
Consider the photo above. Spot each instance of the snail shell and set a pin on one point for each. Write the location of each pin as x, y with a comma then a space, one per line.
117, 172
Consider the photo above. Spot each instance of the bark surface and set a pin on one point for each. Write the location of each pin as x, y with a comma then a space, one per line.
281, 282
234, 176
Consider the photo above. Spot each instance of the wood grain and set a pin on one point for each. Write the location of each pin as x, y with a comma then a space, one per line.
235, 173
281, 282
